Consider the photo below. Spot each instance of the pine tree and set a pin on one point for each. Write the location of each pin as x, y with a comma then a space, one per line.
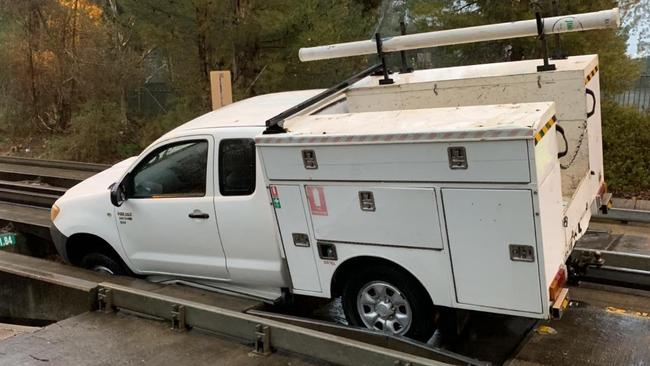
618, 71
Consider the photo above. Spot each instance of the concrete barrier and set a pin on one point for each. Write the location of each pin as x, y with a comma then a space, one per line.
29, 290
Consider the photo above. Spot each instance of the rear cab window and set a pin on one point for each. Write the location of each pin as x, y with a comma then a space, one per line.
237, 167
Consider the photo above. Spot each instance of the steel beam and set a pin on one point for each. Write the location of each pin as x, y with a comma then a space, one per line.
624, 214
620, 268
244, 327
367, 336
45, 200
61, 182
61, 164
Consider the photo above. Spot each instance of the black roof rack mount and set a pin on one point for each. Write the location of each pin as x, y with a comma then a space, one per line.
274, 124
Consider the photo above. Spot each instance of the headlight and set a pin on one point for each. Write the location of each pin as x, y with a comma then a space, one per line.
54, 212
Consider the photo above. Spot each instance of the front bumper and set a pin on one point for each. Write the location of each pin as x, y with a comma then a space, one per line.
60, 242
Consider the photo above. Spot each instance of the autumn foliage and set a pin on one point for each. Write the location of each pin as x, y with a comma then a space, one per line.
74, 73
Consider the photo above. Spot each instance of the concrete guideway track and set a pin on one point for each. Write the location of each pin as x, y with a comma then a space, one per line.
118, 339
599, 320
37, 183
29, 187
40, 182
52, 291
26, 219
604, 326
253, 329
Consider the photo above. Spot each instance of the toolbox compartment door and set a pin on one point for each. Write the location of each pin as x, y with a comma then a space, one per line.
296, 238
482, 225
486, 161
405, 217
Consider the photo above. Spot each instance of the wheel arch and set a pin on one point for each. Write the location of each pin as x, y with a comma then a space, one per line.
80, 244
347, 268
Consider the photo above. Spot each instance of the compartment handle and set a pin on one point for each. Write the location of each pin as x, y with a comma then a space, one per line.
593, 97
560, 130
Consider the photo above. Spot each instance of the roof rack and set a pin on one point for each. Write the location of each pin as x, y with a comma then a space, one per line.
537, 27
274, 124
491, 32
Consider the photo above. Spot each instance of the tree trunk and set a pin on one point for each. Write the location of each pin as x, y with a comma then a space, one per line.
121, 48
31, 45
203, 51
67, 96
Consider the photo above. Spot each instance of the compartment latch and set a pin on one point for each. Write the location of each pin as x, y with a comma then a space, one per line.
367, 201
327, 251
300, 239
309, 159
522, 253
457, 157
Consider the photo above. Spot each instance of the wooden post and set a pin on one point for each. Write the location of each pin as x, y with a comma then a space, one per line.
220, 88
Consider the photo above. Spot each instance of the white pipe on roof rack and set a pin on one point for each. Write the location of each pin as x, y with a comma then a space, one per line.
525, 28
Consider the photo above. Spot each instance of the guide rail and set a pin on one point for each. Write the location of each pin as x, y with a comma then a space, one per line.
52, 291
38, 182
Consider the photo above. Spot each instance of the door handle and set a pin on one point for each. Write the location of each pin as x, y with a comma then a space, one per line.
197, 214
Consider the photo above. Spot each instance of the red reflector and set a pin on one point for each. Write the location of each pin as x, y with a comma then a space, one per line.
274, 191
603, 189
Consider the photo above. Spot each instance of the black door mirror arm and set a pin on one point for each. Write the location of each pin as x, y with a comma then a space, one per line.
118, 191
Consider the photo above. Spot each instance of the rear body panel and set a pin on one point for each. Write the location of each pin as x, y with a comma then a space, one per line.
481, 225
453, 229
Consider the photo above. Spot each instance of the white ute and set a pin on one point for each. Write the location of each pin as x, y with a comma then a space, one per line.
453, 188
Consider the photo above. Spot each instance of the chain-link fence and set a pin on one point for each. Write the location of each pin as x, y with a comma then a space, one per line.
637, 97
149, 100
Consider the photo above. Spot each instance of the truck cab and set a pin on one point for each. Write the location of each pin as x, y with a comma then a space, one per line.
195, 207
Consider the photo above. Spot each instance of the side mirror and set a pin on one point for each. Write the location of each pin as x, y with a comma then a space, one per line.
118, 194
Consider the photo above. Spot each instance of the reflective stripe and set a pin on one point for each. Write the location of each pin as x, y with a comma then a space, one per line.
496, 134
591, 75
547, 126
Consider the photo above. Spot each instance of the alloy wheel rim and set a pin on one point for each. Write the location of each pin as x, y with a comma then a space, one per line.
103, 269
383, 307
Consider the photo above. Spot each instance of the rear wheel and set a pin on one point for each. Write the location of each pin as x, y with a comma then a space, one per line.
391, 301
102, 263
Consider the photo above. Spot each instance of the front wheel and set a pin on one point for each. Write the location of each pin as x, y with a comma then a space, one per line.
102, 263
391, 301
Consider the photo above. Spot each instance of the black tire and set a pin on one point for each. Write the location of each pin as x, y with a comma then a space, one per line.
97, 261
424, 314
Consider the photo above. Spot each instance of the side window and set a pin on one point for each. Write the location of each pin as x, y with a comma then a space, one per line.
175, 170
236, 167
